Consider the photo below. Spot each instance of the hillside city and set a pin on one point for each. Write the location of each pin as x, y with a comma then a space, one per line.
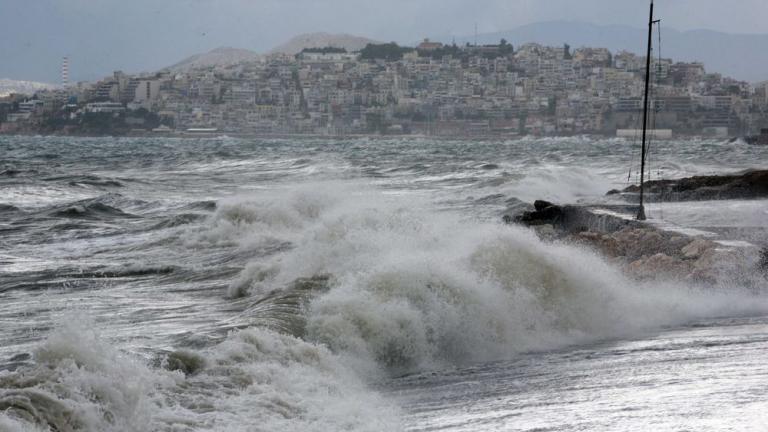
433, 89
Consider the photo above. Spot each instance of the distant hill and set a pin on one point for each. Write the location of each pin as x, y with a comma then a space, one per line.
223, 56
740, 56
8, 86
322, 40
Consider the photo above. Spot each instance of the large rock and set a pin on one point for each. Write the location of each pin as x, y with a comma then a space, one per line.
696, 248
747, 185
605, 244
544, 213
644, 251
633, 243
715, 264
569, 219
659, 265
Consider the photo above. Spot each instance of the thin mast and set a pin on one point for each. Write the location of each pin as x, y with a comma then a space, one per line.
641, 211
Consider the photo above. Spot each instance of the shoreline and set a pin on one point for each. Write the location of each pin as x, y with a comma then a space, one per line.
240, 135
644, 250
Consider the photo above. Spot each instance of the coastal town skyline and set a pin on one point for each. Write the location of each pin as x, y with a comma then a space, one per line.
551, 78
433, 89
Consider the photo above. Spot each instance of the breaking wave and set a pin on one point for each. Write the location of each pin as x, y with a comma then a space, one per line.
410, 288
256, 379
78, 382
552, 183
363, 286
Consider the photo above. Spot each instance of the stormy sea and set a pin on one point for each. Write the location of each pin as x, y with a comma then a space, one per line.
228, 284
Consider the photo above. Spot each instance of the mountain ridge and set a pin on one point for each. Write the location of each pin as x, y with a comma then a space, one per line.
732, 54
9, 86
221, 56
322, 40
226, 56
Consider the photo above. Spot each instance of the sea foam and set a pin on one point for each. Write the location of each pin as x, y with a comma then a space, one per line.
413, 288
401, 287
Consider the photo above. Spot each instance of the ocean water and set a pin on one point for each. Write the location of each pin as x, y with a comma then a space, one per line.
359, 285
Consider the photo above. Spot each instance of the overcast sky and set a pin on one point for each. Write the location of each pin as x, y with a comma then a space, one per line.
136, 35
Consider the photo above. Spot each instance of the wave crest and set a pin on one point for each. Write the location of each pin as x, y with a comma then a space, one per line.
413, 288
78, 382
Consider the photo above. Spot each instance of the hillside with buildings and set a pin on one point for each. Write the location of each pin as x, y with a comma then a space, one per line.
733, 55
493, 90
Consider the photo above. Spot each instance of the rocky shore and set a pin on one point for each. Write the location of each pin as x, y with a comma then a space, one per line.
642, 250
745, 185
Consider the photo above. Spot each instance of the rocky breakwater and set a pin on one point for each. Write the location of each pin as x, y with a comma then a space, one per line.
751, 184
640, 249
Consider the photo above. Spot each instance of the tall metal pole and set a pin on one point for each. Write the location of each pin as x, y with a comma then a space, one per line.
641, 211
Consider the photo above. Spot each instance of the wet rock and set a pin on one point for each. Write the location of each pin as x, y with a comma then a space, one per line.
541, 205
678, 242
546, 232
718, 263
658, 265
647, 253
696, 248
546, 214
567, 219
747, 185
605, 244
644, 251
634, 243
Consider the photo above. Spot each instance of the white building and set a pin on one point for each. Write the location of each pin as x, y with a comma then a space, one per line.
147, 92
105, 107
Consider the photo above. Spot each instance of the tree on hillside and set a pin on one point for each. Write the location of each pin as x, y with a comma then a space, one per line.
505, 47
388, 51
447, 50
